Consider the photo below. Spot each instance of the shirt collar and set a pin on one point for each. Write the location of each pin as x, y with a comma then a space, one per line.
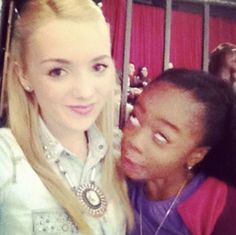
54, 149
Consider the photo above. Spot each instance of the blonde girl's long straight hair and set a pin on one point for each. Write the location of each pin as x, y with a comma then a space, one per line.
23, 108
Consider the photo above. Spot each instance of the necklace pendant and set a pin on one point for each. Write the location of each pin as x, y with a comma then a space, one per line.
92, 199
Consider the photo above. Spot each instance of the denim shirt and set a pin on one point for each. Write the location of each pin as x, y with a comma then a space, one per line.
27, 207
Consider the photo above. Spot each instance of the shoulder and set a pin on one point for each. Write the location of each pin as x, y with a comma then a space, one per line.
8, 143
227, 219
201, 210
211, 188
9, 150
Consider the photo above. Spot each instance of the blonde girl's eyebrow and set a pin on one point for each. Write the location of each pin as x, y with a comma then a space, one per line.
64, 61
57, 60
102, 57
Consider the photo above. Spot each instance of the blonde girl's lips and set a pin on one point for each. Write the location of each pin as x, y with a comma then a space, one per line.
82, 109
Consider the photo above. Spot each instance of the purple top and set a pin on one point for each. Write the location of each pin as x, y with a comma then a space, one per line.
153, 212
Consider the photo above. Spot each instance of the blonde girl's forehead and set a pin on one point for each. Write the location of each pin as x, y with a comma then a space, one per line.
58, 31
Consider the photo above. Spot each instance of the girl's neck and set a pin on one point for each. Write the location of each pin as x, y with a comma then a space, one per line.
163, 189
76, 144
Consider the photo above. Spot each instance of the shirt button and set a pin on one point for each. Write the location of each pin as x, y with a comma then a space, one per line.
67, 154
100, 146
65, 227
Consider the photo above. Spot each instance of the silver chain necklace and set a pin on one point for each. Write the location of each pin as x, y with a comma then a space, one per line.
166, 214
90, 196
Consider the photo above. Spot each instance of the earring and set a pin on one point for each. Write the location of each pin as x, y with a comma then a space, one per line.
189, 168
28, 88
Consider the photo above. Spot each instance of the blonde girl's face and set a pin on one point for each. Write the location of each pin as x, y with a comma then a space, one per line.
71, 73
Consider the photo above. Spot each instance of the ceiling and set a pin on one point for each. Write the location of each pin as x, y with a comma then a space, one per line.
221, 8
226, 3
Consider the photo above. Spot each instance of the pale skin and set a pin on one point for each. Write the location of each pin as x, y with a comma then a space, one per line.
131, 69
161, 140
71, 77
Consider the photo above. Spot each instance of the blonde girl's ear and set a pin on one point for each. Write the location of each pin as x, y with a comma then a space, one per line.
197, 156
24, 81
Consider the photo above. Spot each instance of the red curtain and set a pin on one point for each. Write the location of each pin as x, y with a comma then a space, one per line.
115, 13
186, 40
147, 38
221, 30
147, 34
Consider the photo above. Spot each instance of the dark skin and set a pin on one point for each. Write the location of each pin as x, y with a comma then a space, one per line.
161, 140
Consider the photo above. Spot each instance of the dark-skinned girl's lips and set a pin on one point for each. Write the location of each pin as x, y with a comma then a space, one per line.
128, 164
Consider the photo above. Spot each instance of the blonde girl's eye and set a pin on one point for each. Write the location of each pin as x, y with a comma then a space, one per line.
134, 121
56, 72
100, 67
160, 138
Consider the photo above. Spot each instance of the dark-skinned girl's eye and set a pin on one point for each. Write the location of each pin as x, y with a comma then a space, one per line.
160, 138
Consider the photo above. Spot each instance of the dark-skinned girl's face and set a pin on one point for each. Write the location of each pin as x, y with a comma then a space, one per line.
162, 134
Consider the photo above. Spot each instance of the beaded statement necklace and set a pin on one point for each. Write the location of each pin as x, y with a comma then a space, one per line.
166, 214
89, 194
